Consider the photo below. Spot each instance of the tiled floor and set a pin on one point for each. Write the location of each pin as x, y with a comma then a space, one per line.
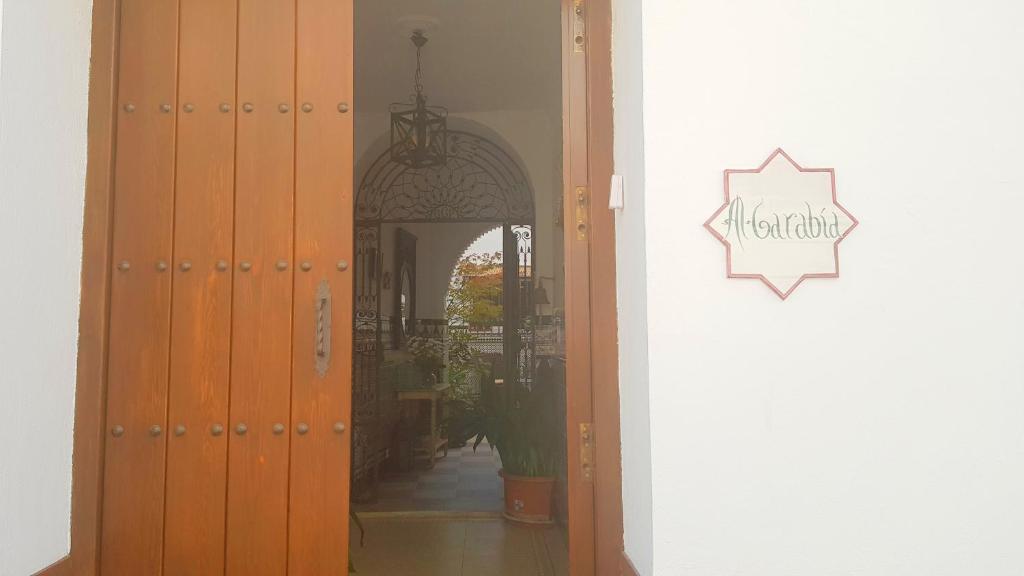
446, 521
457, 547
463, 481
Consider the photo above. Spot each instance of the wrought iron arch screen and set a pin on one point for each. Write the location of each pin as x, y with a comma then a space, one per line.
480, 182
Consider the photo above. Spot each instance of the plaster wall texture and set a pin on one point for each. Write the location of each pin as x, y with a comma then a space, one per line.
632, 264
869, 424
44, 49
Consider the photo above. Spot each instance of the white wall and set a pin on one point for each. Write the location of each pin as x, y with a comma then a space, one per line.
871, 424
631, 263
43, 108
1, 39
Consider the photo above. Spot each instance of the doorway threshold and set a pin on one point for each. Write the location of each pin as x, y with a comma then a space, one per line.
452, 547
432, 515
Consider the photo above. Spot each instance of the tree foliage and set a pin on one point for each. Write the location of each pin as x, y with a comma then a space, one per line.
474, 300
474, 297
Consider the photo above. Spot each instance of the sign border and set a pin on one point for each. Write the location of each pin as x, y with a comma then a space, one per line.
728, 246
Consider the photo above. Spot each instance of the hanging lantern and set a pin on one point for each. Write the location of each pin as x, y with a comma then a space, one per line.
419, 133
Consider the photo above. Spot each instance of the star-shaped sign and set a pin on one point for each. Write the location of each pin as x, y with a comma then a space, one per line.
781, 223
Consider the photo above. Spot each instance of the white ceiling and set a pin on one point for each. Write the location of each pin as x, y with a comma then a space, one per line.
483, 54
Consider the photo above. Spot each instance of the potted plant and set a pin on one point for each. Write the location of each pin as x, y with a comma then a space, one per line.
521, 423
463, 409
428, 357
464, 404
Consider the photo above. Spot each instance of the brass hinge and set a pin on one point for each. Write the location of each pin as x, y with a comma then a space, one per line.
582, 212
587, 451
579, 28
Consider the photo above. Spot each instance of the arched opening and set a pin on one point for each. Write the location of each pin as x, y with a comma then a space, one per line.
412, 226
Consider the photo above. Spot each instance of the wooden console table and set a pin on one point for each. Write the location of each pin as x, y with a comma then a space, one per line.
433, 442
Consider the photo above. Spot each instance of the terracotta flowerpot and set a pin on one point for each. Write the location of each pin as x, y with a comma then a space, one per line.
528, 499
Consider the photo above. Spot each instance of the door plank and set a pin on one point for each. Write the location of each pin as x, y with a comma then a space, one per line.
132, 534
201, 312
257, 508
320, 459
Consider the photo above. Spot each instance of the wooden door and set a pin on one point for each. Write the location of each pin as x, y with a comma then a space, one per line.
229, 379
229, 356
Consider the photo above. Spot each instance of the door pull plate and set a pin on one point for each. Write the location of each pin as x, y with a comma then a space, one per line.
322, 338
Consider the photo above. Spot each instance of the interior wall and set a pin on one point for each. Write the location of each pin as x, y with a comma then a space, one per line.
43, 111
631, 266
869, 424
438, 248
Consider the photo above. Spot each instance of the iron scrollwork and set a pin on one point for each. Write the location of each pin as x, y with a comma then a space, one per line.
480, 182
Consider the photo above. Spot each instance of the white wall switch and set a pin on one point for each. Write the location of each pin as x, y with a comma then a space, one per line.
616, 201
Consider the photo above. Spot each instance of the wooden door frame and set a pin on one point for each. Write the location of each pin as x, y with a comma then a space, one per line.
90, 394
604, 343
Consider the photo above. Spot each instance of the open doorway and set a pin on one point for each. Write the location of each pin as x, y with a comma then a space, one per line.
459, 442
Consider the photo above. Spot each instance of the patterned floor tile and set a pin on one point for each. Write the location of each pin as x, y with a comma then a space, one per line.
464, 481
